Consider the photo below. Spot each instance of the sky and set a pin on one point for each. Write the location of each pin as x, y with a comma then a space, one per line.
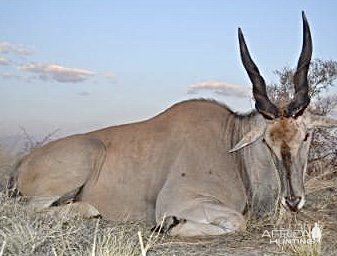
78, 65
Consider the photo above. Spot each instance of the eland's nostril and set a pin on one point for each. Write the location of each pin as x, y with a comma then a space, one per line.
293, 202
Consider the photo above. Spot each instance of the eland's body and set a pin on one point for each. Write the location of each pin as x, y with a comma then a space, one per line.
174, 164
197, 163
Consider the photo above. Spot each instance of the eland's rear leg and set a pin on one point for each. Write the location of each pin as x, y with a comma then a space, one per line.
82, 209
59, 169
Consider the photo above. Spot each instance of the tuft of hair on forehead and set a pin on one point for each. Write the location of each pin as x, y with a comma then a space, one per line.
283, 129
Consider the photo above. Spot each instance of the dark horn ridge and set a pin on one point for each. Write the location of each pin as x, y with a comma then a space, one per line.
301, 97
262, 103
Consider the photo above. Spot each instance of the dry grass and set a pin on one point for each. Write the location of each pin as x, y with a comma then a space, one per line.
26, 233
7, 162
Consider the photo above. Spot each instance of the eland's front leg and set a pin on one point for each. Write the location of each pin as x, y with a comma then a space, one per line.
204, 219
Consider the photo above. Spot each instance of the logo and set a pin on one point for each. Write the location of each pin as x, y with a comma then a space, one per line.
300, 235
316, 233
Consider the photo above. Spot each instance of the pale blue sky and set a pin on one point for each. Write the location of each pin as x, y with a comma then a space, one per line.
81, 65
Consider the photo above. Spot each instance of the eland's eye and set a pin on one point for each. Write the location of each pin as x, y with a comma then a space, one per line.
306, 137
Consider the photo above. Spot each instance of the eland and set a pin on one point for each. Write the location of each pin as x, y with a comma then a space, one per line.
199, 164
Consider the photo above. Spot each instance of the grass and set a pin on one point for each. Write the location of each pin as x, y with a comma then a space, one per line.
26, 233
23, 232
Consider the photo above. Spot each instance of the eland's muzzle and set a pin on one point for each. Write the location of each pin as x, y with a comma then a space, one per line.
294, 203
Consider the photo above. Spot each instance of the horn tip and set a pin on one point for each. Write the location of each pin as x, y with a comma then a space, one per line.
239, 31
303, 16
240, 34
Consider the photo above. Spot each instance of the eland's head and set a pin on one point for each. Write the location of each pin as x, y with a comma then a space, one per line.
287, 129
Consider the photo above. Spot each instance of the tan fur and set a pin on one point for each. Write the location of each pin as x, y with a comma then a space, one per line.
176, 164
283, 129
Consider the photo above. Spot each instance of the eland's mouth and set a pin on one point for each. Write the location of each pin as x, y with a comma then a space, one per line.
294, 203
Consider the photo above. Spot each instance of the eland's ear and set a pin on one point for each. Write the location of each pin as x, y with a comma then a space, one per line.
320, 121
250, 137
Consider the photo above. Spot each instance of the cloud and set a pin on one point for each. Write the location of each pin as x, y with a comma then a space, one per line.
6, 47
16, 56
4, 61
221, 88
52, 72
109, 76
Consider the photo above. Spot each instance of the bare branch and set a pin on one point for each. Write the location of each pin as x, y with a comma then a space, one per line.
322, 75
30, 142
